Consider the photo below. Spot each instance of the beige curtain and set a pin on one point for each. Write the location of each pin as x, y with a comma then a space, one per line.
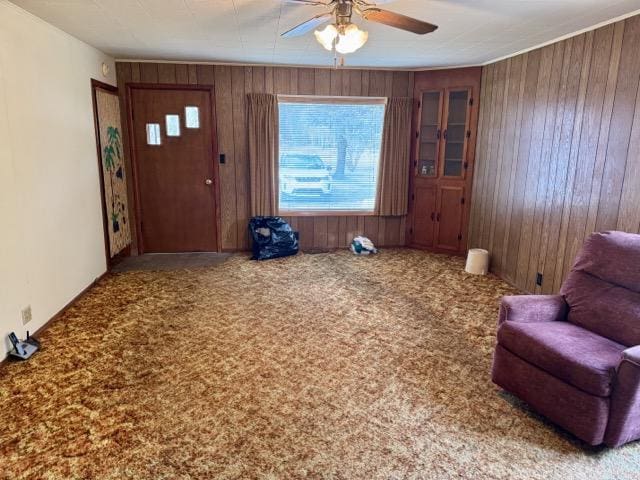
262, 116
395, 158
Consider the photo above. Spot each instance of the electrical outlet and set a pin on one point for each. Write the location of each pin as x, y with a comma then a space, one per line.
539, 279
26, 315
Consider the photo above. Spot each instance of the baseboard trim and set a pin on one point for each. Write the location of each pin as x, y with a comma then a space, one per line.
61, 312
235, 250
510, 283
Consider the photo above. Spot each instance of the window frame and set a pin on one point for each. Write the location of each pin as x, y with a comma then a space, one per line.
330, 100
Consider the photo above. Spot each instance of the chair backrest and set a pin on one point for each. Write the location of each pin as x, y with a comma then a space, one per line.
603, 288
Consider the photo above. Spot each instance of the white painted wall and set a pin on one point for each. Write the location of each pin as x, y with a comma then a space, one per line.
51, 239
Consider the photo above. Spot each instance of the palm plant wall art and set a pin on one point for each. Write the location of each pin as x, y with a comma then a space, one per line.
113, 173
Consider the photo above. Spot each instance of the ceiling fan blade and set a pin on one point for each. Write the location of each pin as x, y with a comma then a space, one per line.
398, 21
373, 3
309, 2
307, 26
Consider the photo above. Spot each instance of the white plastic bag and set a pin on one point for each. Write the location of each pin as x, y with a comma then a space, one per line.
362, 246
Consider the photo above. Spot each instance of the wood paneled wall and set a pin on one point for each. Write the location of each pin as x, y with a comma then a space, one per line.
232, 83
558, 153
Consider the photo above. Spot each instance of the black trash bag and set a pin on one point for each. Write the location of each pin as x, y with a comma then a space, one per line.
272, 238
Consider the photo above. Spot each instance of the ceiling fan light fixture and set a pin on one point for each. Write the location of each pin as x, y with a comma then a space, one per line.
327, 36
342, 36
351, 40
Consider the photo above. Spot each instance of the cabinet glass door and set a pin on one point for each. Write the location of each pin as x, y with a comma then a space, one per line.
429, 136
455, 134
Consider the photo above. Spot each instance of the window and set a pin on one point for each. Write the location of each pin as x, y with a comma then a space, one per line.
173, 125
192, 117
329, 153
153, 134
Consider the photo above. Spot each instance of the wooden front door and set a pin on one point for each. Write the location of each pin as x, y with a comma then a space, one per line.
175, 172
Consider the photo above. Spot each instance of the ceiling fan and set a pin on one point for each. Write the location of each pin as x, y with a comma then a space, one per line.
343, 35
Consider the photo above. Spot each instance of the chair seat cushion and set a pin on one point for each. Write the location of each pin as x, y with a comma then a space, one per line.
571, 353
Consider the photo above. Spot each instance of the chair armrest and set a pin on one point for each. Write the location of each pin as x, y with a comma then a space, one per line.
631, 355
532, 308
624, 417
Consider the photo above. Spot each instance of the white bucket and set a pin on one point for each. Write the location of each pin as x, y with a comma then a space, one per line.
477, 261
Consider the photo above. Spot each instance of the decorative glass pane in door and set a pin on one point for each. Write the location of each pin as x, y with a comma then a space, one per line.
429, 135
455, 135
173, 125
153, 134
191, 117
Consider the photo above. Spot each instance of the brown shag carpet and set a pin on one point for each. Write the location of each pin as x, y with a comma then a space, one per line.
317, 366
169, 261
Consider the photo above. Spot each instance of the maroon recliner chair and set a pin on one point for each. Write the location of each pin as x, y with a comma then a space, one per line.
575, 357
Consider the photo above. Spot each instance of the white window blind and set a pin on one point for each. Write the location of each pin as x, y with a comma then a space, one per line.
329, 153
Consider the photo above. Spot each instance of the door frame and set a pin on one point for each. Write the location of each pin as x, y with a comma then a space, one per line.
130, 86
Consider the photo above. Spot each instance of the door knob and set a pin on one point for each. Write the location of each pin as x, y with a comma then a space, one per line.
208, 181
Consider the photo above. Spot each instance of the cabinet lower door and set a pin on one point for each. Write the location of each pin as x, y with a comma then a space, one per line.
424, 212
449, 217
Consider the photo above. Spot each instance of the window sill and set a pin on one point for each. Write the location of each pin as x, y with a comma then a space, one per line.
327, 213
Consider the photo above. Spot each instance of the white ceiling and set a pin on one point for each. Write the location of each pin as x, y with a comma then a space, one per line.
471, 32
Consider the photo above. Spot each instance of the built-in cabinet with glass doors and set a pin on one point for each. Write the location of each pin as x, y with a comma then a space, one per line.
445, 121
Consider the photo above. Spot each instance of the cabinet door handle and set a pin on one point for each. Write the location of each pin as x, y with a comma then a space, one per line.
438, 217
433, 216
438, 134
445, 134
